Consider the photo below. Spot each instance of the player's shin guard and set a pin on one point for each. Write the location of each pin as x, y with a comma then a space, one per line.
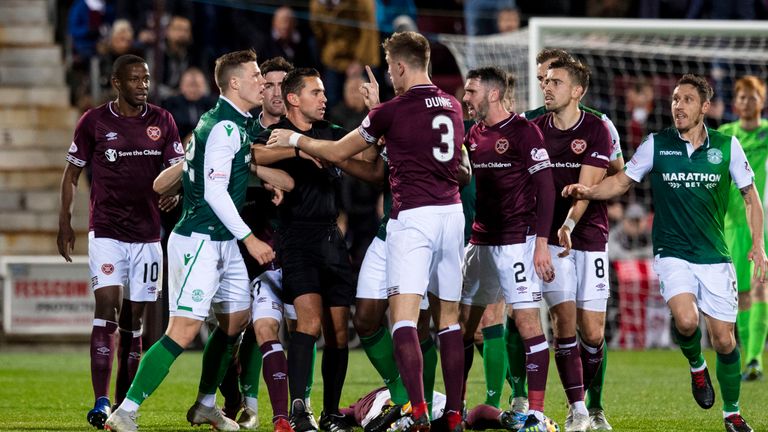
569, 368
379, 349
250, 364
334, 369
690, 346
429, 356
516, 375
410, 363
153, 369
595, 389
758, 328
102, 355
729, 377
276, 377
591, 361
217, 357
300, 355
495, 364
453, 363
537, 367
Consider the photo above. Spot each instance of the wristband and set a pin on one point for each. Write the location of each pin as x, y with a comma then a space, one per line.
294, 139
569, 223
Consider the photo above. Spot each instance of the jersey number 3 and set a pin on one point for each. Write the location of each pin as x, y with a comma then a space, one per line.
446, 139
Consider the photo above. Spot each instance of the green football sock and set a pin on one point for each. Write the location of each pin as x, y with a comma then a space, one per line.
743, 319
690, 346
217, 356
495, 365
516, 360
729, 377
429, 353
595, 390
758, 329
250, 365
311, 377
380, 351
153, 368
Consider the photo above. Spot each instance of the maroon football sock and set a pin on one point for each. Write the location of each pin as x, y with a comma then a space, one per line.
409, 362
569, 368
275, 370
537, 367
102, 354
452, 361
591, 359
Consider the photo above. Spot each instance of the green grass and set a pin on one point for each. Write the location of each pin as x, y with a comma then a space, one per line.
646, 391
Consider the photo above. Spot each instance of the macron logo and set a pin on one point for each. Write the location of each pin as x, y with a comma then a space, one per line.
670, 153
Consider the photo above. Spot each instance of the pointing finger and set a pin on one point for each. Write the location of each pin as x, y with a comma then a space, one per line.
371, 77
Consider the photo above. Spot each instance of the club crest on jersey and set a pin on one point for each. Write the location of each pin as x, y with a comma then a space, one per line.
714, 156
153, 132
107, 269
502, 145
578, 146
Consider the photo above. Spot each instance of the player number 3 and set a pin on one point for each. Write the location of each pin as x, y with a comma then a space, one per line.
443, 155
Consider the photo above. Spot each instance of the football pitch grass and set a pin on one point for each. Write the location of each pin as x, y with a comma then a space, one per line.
49, 389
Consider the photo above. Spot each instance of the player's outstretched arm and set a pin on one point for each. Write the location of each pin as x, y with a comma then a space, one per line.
65, 239
275, 177
332, 151
611, 187
465, 168
754, 211
168, 182
589, 175
373, 172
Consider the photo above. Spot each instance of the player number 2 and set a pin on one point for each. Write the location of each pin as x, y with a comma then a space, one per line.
599, 267
153, 271
520, 272
443, 155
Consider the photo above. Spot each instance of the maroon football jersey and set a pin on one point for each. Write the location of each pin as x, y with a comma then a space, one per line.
126, 154
364, 405
504, 158
588, 142
423, 132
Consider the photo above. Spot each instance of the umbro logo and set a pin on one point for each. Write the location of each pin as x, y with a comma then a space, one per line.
279, 375
111, 136
103, 350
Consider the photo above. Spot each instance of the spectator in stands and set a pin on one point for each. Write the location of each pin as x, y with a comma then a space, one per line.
286, 41
341, 44
387, 11
193, 100
176, 56
631, 239
119, 42
351, 112
639, 99
508, 20
480, 15
87, 23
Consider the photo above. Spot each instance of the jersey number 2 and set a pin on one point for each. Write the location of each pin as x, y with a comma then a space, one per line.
443, 155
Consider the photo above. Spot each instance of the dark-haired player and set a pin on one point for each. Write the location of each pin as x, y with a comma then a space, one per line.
579, 147
127, 142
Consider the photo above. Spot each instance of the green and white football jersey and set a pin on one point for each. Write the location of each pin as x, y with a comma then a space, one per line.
690, 192
755, 145
216, 173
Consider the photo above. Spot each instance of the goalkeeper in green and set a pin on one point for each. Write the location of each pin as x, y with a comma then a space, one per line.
752, 132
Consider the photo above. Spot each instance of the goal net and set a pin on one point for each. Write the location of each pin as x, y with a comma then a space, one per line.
635, 64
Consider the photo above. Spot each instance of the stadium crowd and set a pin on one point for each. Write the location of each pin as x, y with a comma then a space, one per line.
276, 187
